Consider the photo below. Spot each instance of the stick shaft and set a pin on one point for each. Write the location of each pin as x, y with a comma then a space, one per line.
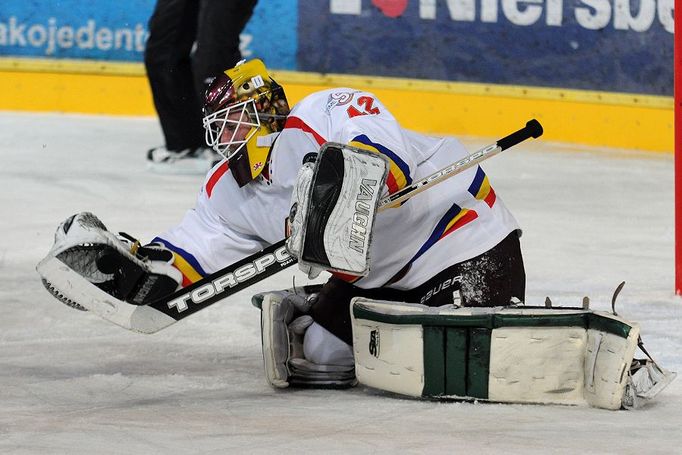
532, 129
453, 169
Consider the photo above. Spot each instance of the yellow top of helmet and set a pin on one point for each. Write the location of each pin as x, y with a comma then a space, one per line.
249, 79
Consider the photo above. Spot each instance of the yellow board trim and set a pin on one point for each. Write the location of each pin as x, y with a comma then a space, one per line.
619, 120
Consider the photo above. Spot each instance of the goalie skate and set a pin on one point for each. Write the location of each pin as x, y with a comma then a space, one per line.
646, 379
89, 268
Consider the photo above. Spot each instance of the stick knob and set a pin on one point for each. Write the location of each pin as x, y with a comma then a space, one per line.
532, 129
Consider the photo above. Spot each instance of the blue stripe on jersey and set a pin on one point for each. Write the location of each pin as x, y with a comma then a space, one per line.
404, 168
478, 181
185, 255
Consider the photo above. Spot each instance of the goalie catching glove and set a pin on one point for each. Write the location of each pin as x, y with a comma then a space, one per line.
86, 254
333, 207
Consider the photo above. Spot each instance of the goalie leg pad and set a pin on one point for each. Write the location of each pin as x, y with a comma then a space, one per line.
501, 354
284, 325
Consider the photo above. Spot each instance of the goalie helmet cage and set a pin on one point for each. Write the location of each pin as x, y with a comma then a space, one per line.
678, 147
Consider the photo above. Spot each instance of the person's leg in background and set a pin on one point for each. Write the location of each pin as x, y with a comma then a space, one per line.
168, 60
220, 24
173, 28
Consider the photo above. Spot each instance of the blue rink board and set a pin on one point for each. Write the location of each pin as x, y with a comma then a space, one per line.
564, 54
89, 30
551, 43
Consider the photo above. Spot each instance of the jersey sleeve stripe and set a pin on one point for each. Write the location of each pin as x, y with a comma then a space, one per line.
490, 198
297, 123
454, 219
185, 262
346, 277
480, 188
465, 216
217, 174
189, 275
398, 172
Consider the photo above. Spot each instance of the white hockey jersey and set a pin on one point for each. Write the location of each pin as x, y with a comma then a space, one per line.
456, 220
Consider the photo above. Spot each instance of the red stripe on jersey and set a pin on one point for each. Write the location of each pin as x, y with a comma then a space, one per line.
466, 219
346, 277
185, 281
222, 169
297, 123
391, 183
490, 198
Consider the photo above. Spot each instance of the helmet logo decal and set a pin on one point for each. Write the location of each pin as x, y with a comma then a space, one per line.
257, 81
258, 165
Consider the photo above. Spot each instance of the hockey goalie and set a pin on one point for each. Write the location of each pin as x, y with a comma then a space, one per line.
442, 261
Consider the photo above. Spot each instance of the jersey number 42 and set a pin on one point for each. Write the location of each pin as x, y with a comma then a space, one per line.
366, 103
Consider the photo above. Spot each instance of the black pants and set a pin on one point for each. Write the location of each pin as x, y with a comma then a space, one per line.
490, 279
176, 74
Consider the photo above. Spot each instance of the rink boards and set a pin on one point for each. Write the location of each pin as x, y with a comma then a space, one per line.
596, 75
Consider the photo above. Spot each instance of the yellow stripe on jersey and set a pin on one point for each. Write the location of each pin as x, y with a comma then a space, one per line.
398, 171
189, 274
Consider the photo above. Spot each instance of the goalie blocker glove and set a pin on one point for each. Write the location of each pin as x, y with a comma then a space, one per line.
118, 266
333, 207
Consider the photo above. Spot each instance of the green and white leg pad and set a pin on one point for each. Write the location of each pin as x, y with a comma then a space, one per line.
502, 354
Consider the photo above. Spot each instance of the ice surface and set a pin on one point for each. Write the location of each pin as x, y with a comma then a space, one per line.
72, 383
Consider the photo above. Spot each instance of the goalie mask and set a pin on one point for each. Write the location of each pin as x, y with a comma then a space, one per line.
242, 105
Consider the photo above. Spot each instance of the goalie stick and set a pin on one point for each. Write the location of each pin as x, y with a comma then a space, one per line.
532, 129
161, 313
